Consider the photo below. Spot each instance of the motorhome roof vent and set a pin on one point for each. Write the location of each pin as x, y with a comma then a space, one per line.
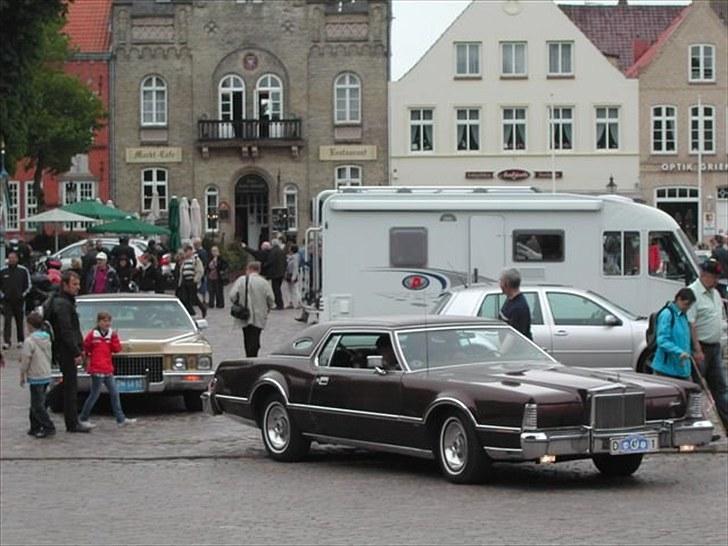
349, 189
404, 190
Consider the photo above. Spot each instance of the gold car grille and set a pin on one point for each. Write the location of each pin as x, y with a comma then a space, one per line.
623, 410
146, 365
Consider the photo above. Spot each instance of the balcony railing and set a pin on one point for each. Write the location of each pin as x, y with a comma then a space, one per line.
249, 129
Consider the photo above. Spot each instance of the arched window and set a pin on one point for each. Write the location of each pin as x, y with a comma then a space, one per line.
347, 98
154, 101
212, 202
269, 97
231, 98
290, 200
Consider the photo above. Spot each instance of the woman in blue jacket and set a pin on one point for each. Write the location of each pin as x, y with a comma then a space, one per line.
672, 357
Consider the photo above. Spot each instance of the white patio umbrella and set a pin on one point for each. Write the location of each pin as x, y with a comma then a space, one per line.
57, 216
195, 219
154, 211
184, 220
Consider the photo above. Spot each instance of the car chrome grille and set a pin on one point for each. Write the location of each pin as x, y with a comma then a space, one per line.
139, 365
623, 410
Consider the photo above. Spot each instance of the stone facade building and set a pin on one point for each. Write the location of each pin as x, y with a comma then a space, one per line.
248, 105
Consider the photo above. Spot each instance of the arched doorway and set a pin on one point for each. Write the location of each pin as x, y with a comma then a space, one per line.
251, 210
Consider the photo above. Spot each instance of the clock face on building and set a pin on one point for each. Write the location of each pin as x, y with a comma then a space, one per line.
250, 62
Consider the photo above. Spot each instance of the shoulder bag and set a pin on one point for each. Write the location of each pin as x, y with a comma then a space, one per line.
241, 312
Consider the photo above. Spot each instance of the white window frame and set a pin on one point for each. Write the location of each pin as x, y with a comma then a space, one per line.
421, 123
157, 85
30, 203
467, 123
701, 119
608, 121
211, 192
12, 208
348, 179
513, 45
349, 84
664, 118
225, 95
702, 66
469, 47
515, 122
561, 123
268, 86
85, 191
290, 201
155, 183
560, 44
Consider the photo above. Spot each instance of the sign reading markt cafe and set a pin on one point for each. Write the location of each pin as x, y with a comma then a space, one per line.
154, 155
693, 167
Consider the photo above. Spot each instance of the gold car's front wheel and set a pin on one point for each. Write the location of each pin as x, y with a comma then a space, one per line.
282, 438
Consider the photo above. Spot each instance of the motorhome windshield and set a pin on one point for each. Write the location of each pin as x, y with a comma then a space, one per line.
669, 256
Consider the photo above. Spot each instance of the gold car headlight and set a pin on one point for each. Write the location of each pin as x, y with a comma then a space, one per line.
179, 363
204, 362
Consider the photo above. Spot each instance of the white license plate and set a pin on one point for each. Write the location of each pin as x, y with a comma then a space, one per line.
633, 443
130, 384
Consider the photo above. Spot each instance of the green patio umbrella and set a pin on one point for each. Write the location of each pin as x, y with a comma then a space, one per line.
94, 209
173, 218
129, 226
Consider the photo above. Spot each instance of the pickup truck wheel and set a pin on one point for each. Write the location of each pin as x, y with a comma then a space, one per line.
616, 466
281, 436
193, 402
458, 451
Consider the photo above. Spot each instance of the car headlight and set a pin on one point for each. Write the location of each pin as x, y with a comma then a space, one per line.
695, 405
204, 363
179, 363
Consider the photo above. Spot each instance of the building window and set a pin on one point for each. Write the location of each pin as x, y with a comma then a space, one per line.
231, 97
347, 92
269, 97
421, 130
467, 59
468, 128
75, 191
514, 128
154, 101
31, 204
212, 201
702, 129
561, 128
664, 120
154, 180
607, 128
513, 55
702, 63
561, 58
538, 246
290, 201
348, 175
13, 220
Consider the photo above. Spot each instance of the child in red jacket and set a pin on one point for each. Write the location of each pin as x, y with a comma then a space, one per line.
99, 345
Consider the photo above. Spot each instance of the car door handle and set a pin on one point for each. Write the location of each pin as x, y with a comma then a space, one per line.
561, 333
322, 380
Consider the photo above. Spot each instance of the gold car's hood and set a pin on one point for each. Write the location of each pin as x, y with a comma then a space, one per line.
171, 341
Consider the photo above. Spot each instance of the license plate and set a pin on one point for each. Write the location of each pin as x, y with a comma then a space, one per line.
130, 384
633, 443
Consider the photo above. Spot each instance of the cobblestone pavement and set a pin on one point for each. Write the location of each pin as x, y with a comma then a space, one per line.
178, 477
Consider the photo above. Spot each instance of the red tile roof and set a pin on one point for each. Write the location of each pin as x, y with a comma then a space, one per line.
646, 58
615, 30
88, 25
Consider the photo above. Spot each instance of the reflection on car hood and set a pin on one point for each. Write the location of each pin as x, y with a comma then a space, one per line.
161, 334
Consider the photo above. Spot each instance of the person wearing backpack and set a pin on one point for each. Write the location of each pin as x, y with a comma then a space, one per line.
672, 355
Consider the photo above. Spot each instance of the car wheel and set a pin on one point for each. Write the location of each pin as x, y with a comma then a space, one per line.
193, 402
458, 451
615, 466
281, 436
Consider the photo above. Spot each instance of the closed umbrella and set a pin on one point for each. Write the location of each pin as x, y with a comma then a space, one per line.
184, 220
195, 219
129, 226
154, 213
173, 224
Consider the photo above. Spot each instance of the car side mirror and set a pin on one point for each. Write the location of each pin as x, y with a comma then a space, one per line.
611, 320
375, 362
202, 324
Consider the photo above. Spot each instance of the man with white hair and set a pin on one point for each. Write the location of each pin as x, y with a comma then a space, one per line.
515, 310
102, 279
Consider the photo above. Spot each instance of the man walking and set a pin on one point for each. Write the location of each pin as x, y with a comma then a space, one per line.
190, 274
123, 249
277, 269
14, 286
67, 345
253, 291
205, 259
706, 317
515, 310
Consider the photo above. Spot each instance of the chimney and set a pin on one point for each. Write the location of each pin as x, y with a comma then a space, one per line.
638, 48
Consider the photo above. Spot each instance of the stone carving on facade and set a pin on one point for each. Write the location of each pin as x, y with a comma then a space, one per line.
346, 31
288, 26
181, 24
122, 26
153, 29
211, 27
378, 26
317, 26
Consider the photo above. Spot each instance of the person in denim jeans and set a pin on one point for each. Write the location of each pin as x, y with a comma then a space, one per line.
99, 346
35, 369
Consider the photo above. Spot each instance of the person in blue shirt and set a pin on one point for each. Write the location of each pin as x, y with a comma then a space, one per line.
672, 357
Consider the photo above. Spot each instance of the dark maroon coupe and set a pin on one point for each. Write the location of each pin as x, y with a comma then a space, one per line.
465, 391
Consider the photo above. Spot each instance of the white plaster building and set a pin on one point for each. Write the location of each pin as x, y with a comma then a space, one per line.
475, 108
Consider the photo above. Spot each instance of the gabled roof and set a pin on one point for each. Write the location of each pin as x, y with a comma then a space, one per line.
614, 30
647, 57
88, 25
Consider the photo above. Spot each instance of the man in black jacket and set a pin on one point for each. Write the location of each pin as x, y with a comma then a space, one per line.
123, 249
14, 286
67, 345
277, 270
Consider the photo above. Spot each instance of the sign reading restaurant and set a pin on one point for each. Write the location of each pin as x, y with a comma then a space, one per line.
345, 153
693, 167
154, 155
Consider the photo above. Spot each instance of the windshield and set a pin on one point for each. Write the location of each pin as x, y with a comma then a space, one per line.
604, 301
669, 258
468, 345
136, 315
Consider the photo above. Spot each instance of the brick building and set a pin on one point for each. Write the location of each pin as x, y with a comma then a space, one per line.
248, 105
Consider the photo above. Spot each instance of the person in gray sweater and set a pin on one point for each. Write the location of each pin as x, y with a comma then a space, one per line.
35, 369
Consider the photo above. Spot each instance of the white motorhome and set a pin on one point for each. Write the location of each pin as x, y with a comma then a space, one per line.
394, 250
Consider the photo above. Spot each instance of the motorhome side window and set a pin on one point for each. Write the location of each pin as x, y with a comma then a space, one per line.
667, 258
538, 246
408, 247
621, 253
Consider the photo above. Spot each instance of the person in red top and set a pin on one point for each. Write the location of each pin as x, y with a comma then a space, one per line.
99, 345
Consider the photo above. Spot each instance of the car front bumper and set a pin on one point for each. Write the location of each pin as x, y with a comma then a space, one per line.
178, 381
584, 442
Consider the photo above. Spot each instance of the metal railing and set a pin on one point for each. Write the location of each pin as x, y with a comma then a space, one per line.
249, 129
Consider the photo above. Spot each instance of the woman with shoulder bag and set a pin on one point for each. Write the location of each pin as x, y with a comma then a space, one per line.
252, 299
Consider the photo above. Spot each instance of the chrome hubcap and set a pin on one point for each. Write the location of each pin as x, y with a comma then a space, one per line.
454, 445
277, 427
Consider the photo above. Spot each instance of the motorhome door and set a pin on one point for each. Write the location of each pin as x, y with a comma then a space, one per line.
487, 247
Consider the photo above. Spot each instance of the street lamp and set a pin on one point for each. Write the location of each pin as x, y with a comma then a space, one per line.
612, 187
4, 201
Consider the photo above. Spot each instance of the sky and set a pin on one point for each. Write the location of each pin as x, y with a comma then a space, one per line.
418, 23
